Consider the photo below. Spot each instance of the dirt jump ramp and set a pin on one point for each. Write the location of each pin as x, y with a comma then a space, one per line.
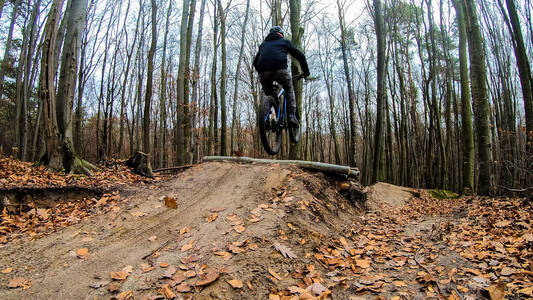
236, 231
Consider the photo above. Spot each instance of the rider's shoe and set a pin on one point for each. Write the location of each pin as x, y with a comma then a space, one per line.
293, 121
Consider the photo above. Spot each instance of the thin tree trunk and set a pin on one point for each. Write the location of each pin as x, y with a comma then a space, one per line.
187, 125
351, 95
196, 69
149, 82
162, 95
524, 70
223, 109
20, 97
7, 49
378, 164
237, 78
297, 32
181, 147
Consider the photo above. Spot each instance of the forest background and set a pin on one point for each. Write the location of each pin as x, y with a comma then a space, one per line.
420, 93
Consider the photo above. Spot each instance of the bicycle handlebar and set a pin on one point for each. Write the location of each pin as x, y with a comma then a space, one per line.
298, 76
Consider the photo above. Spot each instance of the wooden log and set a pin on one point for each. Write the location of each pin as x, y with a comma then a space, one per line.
172, 169
311, 165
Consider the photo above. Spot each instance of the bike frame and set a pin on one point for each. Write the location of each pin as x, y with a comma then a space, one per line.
284, 108
282, 117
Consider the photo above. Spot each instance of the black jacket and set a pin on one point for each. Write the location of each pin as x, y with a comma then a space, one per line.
272, 55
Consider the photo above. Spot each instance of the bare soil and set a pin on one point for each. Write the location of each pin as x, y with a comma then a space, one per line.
246, 231
277, 195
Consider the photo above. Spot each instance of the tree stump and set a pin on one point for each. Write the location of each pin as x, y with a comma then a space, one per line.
140, 163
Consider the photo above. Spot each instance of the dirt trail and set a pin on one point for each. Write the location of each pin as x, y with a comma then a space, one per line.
121, 238
245, 231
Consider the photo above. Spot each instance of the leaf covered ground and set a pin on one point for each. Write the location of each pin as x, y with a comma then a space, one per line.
230, 231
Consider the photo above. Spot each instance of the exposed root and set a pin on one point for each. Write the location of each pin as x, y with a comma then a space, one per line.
81, 166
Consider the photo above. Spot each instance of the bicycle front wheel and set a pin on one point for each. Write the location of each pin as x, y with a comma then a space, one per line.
269, 126
295, 132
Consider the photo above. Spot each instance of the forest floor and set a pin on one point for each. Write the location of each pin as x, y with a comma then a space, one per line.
246, 231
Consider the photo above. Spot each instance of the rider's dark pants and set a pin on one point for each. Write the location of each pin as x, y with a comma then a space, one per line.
282, 77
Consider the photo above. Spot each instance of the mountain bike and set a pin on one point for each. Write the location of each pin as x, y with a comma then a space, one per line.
273, 120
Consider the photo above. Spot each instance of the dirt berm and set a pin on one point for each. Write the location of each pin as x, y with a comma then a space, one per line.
240, 231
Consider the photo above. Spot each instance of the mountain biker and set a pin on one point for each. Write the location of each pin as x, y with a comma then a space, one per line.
271, 64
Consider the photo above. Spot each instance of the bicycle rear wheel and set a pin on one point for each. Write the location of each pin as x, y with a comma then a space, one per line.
295, 132
269, 127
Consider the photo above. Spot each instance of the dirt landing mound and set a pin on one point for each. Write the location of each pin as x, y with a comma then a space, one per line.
237, 233
381, 194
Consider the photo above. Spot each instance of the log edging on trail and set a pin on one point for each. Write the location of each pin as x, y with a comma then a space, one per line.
171, 169
317, 166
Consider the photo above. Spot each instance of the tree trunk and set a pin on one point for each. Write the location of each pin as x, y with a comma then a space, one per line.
2, 2
478, 76
237, 78
75, 24
297, 32
223, 109
524, 71
187, 125
213, 108
196, 69
162, 96
181, 147
20, 97
7, 55
378, 163
351, 95
47, 89
149, 83
466, 109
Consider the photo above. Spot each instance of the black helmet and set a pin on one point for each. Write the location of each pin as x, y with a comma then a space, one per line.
277, 29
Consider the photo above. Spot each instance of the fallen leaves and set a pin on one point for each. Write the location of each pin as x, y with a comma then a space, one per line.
274, 274
169, 272
17, 282
145, 268
185, 230
217, 209
7, 270
235, 283
167, 292
212, 217
239, 228
506, 271
126, 295
223, 254
363, 263
120, 275
208, 278
399, 283
183, 288
285, 251
497, 292
138, 214
170, 202
188, 246
82, 252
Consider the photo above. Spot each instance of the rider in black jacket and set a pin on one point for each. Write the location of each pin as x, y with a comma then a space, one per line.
271, 64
